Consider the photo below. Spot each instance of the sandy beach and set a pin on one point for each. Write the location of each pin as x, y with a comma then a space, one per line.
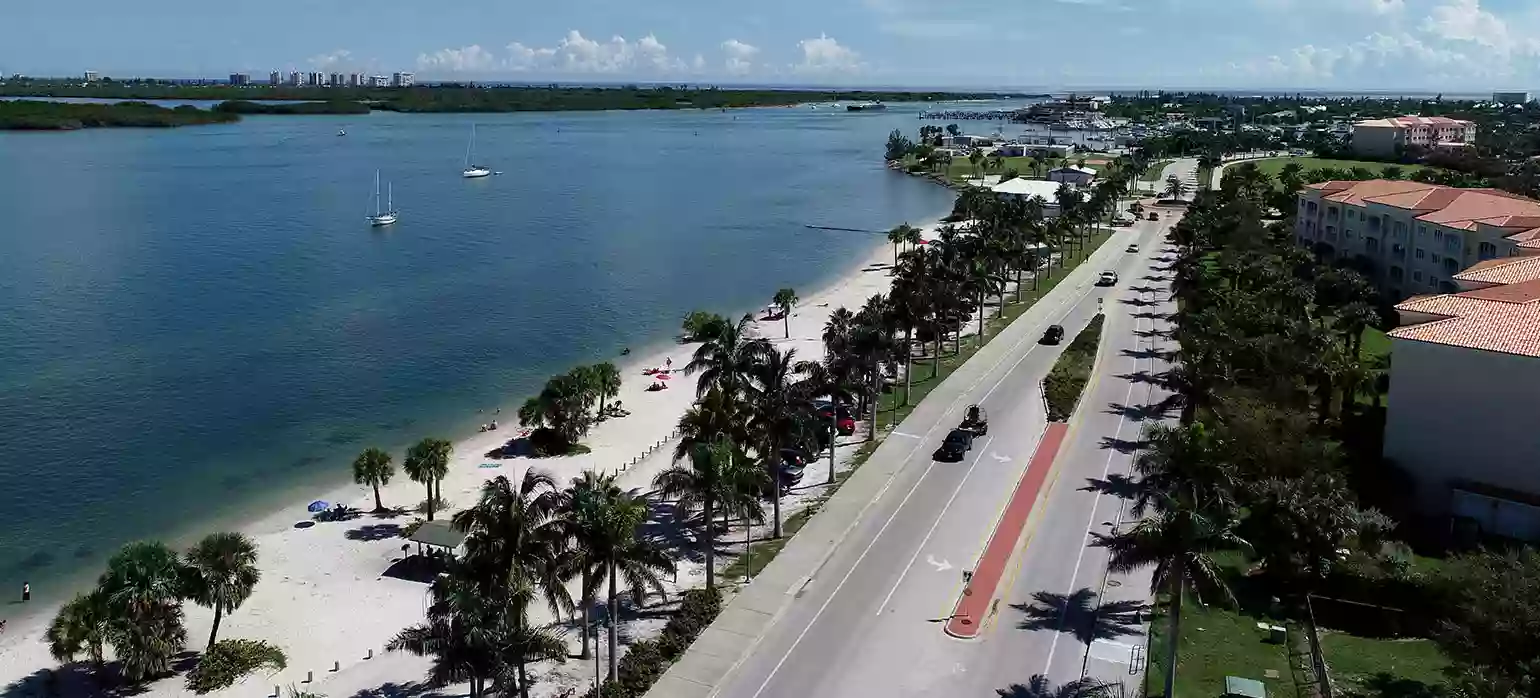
324, 598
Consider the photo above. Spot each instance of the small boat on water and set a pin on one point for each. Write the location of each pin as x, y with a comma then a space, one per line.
388, 216
473, 171
869, 106
342, 132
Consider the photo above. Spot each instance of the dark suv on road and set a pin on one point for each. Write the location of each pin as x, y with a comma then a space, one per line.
1054, 335
956, 447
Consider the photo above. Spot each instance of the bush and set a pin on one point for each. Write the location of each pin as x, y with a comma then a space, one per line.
1065, 383
229, 660
701, 326
646, 660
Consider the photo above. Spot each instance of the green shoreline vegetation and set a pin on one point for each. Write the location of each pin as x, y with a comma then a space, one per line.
470, 97
31, 115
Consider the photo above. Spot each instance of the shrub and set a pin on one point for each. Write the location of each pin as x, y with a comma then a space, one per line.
229, 660
646, 660
1062, 387
701, 326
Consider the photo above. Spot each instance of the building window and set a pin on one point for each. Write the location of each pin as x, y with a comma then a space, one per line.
1422, 231
1420, 253
1438, 235
1436, 258
1417, 276
1451, 266
1372, 244
1400, 230
1374, 224
1395, 273
1432, 280
1487, 250
1452, 242
1398, 251
1331, 233
1311, 208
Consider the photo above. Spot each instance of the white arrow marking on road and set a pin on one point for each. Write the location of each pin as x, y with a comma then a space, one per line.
1000, 458
941, 566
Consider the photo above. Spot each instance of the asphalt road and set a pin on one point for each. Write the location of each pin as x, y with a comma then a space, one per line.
870, 622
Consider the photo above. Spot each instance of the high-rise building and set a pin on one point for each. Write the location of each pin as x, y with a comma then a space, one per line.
317, 80
1510, 97
379, 81
240, 79
402, 80
296, 78
91, 76
337, 80
275, 78
357, 80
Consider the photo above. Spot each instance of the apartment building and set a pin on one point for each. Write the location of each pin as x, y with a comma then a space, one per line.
1388, 137
1465, 375
1510, 97
402, 80
275, 78
1413, 238
240, 79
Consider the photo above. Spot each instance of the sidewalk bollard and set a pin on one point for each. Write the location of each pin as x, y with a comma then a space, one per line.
309, 677
336, 666
370, 655
277, 691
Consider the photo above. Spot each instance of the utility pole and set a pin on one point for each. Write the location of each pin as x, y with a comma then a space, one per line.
834, 432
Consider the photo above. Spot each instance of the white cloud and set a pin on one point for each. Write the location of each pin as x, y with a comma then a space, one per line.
336, 59
699, 63
575, 53
468, 59
824, 55
740, 56
1464, 20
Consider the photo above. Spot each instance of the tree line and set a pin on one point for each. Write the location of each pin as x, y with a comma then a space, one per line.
34, 115
1275, 454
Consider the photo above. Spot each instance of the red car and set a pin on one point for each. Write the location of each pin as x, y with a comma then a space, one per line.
845, 424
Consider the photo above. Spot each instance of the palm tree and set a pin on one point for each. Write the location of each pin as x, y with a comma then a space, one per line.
714, 480
606, 379
373, 468
629, 558
1175, 187
513, 532
725, 361
779, 414
222, 572
581, 527
82, 626
902, 235
427, 462
786, 299
1178, 540
1040, 687
142, 588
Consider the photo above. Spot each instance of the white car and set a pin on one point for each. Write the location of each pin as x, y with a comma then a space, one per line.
1108, 278
1133, 248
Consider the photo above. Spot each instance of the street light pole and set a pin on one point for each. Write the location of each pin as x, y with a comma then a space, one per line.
834, 432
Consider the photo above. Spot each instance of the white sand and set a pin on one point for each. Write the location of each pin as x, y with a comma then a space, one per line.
322, 597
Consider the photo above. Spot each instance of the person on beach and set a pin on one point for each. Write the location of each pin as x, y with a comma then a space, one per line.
26, 591
669, 362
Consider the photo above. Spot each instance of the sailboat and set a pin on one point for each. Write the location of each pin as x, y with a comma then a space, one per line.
389, 215
471, 170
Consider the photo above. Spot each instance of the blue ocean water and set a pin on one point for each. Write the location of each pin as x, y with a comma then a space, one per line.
191, 319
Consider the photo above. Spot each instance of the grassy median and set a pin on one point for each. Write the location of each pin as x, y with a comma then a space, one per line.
1067, 380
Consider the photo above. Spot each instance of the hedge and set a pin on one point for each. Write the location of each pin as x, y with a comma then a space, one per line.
229, 660
646, 660
1067, 380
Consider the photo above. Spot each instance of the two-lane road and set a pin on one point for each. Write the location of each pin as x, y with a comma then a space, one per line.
869, 621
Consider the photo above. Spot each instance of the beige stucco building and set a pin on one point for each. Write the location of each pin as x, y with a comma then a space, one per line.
1388, 137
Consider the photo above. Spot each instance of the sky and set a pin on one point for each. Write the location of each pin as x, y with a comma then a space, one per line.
1455, 46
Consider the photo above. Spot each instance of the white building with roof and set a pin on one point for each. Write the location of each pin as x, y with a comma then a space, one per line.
1388, 137
1465, 377
1072, 174
1021, 188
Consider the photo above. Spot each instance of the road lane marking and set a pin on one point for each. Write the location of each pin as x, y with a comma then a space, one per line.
940, 565
999, 458
971, 467
907, 436
860, 516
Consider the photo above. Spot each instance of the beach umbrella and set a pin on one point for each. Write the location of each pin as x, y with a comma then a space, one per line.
319, 506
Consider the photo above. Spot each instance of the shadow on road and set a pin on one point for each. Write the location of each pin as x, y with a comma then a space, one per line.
1040, 687
1080, 615
1136, 412
1161, 354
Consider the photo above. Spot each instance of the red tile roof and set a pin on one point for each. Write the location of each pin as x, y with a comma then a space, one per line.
1454, 207
1503, 317
1508, 270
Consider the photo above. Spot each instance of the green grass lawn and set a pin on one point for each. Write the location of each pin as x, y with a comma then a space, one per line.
1217, 643
1374, 343
1152, 173
1374, 668
1273, 166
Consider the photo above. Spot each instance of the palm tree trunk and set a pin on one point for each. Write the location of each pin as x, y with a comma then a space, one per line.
614, 617
710, 540
908, 366
430, 498
588, 612
1175, 627
1018, 286
895, 259
786, 321
871, 430
773, 460
378, 506
219, 612
523, 680
982, 309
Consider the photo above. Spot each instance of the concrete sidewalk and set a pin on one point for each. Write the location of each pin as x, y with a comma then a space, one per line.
749, 615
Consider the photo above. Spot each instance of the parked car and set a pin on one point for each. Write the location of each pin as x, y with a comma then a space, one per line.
1133, 248
1154, 216
955, 447
1108, 278
793, 462
1053, 335
844, 422
1122, 222
975, 420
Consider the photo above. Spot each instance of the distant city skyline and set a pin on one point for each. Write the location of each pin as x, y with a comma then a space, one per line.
1470, 46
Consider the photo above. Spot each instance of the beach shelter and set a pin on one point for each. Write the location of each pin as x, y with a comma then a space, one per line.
438, 535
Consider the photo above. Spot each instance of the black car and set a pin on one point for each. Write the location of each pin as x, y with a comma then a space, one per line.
793, 462
1054, 335
957, 445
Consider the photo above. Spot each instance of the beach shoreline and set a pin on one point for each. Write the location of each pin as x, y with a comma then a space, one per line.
313, 571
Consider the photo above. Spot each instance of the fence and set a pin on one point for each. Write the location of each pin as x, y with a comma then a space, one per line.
652, 449
1317, 657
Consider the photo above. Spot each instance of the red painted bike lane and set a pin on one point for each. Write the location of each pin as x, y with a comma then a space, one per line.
969, 614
